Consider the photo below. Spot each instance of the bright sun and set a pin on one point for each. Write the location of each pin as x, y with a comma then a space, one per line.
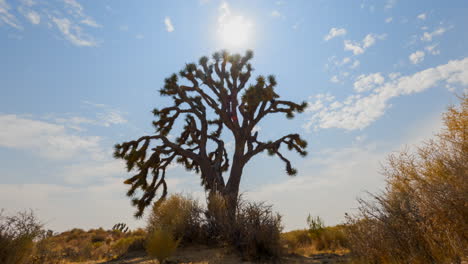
234, 30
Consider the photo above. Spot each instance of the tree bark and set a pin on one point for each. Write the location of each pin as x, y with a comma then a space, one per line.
231, 193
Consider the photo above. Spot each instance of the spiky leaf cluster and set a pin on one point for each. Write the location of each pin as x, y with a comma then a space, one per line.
207, 97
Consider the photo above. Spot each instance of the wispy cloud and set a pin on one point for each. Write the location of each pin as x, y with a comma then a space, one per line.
276, 14
355, 64
74, 33
168, 23
335, 32
33, 17
43, 138
69, 18
388, 19
417, 57
428, 36
432, 49
390, 4
360, 47
422, 16
334, 79
358, 111
7, 17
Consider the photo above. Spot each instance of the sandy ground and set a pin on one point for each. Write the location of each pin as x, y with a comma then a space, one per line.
205, 255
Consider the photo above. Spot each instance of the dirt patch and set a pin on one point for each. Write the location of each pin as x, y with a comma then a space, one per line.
206, 255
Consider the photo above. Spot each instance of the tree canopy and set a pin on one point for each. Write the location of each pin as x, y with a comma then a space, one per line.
208, 97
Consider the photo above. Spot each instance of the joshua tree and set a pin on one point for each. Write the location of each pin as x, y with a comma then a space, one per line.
210, 96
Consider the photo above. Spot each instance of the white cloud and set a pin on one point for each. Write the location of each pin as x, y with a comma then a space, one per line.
43, 138
28, 2
355, 64
77, 11
168, 23
107, 116
33, 17
93, 171
422, 16
276, 13
394, 75
368, 82
428, 36
388, 19
417, 57
360, 47
432, 49
7, 17
390, 4
90, 22
359, 111
139, 36
353, 46
334, 79
345, 60
74, 33
335, 32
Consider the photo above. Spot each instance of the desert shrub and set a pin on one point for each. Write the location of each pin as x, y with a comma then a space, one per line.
180, 215
421, 216
332, 238
137, 244
329, 238
78, 245
161, 244
121, 246
293, 240
139, 232
317, 238
316, 225
257, 231
98, 238
254, 231
17, 234
217, 226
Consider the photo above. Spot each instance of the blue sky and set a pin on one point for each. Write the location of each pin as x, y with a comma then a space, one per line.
76, 77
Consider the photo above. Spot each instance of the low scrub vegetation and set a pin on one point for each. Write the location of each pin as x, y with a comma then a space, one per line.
78, 245
161, 244
254, 231
317, 238
17, 235
422, 215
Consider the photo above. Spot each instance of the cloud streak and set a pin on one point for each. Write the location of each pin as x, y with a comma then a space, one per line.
46, 139
360, 47
335, 32
7, 17
358, 111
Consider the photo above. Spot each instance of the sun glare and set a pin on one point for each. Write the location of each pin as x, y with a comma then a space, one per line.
234, 31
